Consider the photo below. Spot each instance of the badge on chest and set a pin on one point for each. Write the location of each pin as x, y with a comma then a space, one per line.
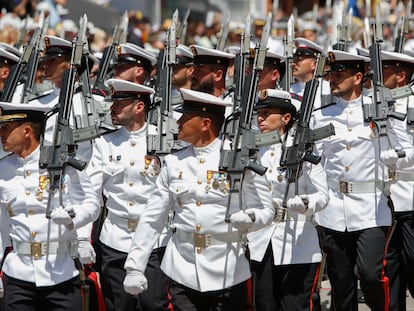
218, 180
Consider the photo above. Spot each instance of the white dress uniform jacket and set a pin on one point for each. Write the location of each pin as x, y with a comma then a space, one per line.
402, 185
190, 184
122, 172
351, 159
294, 240
23, 200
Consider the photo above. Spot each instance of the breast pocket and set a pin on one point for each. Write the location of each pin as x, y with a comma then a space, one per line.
115, 173
180, 192
8, 202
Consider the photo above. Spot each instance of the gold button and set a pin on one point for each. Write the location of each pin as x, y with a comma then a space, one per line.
270, 171
198, 227
30, 212
347, 168
133, 143
199, 181
349, 129
177, 190
130, 183
348, 147
202, 161
272, 154
34, 234
130, 203
198, 250
131, 163
350, 112
198, 203
27, 193
28, 173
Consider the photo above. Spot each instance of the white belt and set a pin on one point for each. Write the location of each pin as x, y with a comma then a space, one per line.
125, 223
398, 175
201, 241
37, 249
356, 187
283, 214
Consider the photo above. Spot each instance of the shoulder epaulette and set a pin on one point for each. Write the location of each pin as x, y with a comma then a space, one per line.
39, 96
6, 156
326, 101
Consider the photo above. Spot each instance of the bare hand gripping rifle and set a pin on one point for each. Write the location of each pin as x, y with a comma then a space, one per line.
242, 154
62, 151
163, 142
381, 109
301, 148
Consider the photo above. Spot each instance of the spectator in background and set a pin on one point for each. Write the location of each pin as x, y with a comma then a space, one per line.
20, 8
136, 33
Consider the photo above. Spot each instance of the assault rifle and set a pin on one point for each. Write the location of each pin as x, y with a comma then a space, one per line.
344, 32
400, 40
23, 32
242, 154
301, 148
240, 63
109, 52
27, 64
221, 42
381, 109
163, 142
288, 43
182, 30
62, 151
33, 64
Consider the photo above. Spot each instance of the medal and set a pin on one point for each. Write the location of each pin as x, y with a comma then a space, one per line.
147, 162
215, 184
209, 177
43, 183
281, 175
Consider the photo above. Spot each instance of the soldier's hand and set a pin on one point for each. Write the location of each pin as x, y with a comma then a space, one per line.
243, 220
135, 282
86, 252
389, 157
61, 216
297, 204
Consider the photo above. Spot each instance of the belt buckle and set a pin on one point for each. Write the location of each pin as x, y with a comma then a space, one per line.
343, 187
36, 250
132, 224
279, 215
199, 241
392, 174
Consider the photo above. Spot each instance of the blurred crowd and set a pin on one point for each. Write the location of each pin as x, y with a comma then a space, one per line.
18, 18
